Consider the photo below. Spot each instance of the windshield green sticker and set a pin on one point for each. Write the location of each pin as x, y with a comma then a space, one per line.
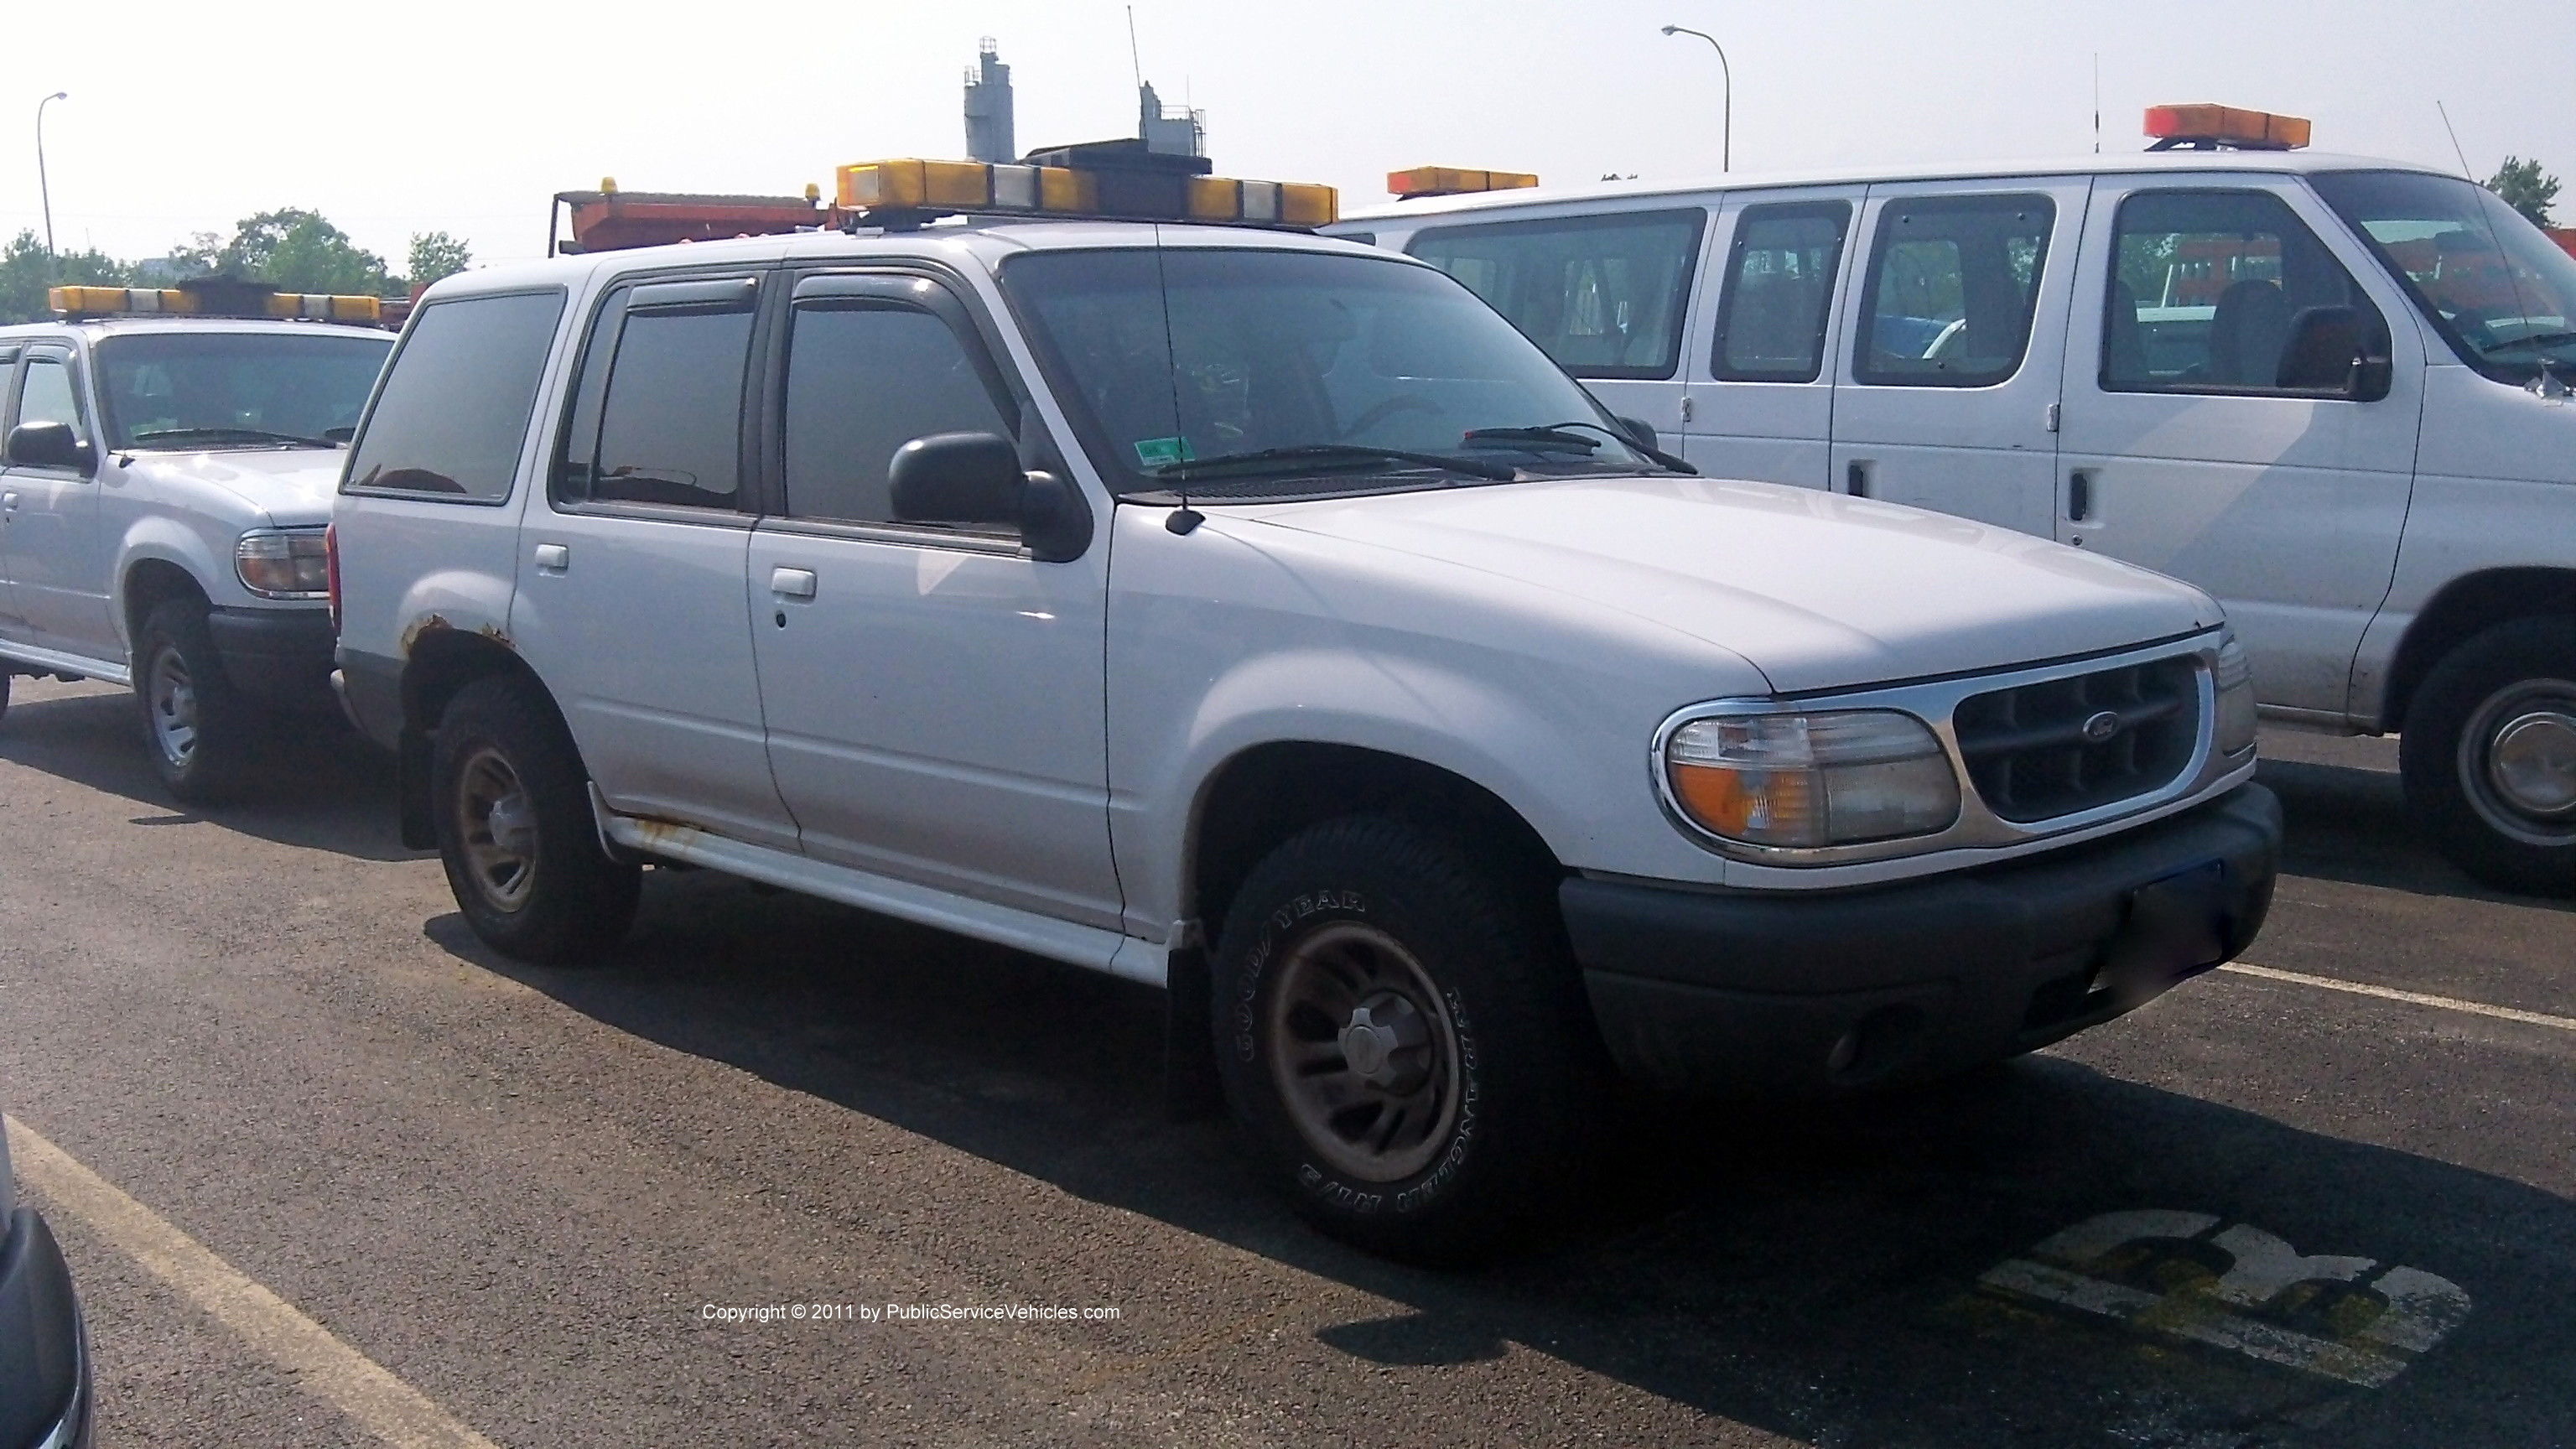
1163, 452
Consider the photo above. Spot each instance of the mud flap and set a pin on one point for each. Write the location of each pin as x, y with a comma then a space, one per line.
411, 788
1191, 1091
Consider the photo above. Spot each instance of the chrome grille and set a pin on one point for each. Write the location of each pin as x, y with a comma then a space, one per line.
2062, 746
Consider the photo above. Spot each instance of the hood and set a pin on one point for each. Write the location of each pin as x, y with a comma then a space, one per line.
291, 485
1817, 590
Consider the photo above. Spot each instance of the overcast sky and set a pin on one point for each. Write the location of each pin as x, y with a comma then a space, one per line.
466, 117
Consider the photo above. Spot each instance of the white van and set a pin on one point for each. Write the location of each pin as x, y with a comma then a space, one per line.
2326, 389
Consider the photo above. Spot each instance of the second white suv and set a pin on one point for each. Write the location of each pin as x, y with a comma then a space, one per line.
1262, 617
168, 475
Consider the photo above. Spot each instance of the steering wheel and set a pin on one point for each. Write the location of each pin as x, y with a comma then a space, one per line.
1384, 408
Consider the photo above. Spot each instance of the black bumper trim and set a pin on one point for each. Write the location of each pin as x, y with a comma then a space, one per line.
1736, 991
279, 657
44, 1368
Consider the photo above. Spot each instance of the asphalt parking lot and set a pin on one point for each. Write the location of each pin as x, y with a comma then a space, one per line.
330, 1173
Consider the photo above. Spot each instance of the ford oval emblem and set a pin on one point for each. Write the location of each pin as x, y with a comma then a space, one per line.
2100, 728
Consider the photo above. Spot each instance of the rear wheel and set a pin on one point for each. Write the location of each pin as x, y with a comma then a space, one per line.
4, 695
1404, 1040
198, 727
2489, 756
511, 804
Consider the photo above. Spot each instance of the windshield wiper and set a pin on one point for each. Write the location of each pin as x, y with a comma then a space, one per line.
1562, 435
2537, 339
1332, 456
254, 435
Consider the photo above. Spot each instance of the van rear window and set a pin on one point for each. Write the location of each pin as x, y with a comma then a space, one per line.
1604, 295
452, 414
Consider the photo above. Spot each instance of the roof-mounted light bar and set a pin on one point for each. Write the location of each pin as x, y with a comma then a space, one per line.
77, 302
2210, 128
907, 191
1453, 181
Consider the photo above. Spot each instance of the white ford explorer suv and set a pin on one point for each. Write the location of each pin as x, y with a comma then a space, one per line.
168, 477
1262, 617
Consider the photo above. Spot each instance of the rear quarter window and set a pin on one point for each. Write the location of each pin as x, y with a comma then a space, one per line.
1604, 295
451, 418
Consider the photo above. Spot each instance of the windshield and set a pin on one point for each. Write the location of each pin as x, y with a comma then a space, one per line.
236, 389
2498, 289
1340, 372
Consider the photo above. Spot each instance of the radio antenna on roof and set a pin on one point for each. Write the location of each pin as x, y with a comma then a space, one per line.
2455, 140
1135, 58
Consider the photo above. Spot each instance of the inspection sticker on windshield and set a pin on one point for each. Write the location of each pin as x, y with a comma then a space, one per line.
2178, 1275
1162, 452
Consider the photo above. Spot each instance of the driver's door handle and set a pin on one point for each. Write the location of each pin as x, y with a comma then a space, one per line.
8, 502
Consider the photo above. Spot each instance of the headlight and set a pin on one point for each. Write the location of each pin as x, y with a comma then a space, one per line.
1812, 779
2233, 676
283, 565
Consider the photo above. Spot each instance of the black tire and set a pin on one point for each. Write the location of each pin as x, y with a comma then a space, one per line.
197, 728
2485, 756
540, 887
1479, 1126
4, 695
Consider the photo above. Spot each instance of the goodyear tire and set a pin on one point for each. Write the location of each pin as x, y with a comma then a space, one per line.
2489, 756
1403, 1038
198, 729
511, 805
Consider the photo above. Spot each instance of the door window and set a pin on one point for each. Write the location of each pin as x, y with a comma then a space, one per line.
1603, 295
2211, 291
657, 417
863, 379
1779, 285
1951, 283
45, 395
452, 413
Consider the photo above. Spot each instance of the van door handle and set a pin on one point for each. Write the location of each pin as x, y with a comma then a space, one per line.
792, 583
9, 502
1856, 480
554, 556
2079, 495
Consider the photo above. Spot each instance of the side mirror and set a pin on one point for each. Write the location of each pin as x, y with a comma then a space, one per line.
1639, 431
966, 478
976, 479
50, 445
2329, 350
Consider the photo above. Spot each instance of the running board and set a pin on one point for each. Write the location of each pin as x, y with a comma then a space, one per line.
1086, 946
49, 661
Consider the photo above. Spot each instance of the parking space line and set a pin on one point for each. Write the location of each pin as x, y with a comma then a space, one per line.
329, 1369
2414, 998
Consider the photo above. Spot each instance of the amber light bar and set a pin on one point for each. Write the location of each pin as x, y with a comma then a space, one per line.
2225, 126
1453, 181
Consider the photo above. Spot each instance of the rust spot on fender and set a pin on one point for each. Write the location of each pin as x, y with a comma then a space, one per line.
659, 834
433, 624
493, 633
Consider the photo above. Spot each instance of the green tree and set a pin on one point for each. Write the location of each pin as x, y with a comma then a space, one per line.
301, 251
435, 254
2525, 187
26, 273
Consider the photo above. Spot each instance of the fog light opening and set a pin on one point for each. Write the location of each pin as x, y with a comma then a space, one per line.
1877, 1045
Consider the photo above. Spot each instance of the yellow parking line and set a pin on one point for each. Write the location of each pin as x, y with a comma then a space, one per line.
2416, 998
374, 1399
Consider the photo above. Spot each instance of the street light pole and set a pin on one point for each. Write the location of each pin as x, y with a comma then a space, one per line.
1726, 133
43, 188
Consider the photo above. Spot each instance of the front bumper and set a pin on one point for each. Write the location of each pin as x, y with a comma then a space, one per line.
278, 657
44, 1353
1832, 992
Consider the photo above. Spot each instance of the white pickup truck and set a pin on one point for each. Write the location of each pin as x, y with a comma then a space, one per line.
1262, 617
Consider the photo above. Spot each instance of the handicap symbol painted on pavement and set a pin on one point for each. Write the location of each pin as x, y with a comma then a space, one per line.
2180, 1275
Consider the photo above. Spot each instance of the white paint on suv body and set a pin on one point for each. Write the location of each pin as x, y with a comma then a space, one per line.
1527, 637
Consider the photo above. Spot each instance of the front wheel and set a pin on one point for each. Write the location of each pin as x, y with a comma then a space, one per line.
511, 804
2489, 756
199, 728
1404, 1041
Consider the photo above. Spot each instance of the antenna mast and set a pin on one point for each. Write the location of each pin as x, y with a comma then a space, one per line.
2455, 140
1135, 60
